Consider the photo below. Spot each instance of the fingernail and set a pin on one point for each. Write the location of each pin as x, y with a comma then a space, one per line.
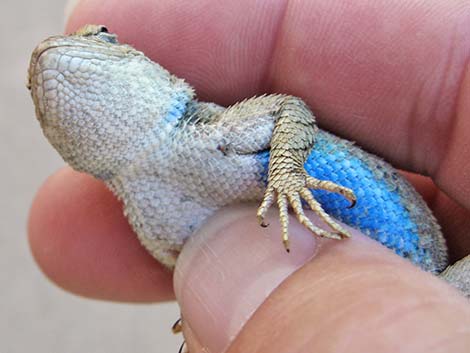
69, 7
230, 267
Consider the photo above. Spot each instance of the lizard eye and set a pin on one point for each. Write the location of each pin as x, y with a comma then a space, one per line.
97, 31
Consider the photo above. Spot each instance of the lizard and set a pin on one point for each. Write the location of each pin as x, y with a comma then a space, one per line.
173, 160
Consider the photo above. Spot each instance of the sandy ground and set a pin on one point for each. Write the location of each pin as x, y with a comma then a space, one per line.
35, 315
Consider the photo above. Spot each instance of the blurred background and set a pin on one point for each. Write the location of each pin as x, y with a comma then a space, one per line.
35, 315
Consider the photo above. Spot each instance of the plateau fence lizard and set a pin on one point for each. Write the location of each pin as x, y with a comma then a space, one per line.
173, 160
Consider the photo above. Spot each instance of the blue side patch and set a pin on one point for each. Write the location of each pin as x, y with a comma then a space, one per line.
177, 109
379, 211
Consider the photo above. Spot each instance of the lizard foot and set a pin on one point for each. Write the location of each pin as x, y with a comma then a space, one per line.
292, 192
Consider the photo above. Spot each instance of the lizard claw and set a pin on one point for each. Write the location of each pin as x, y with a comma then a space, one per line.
268, 200
177, 326
286, 245
263, 224
183, 348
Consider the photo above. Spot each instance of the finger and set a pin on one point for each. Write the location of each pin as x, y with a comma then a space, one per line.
354, 295
82, 242
392, 75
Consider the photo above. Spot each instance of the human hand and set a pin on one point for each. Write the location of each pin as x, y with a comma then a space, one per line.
378, 72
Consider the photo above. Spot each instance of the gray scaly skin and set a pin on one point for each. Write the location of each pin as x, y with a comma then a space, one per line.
173, 160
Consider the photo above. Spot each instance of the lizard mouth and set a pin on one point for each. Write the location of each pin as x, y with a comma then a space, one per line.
42, 71
43, 47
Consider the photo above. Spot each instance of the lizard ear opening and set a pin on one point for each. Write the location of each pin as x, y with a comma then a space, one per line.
108, 37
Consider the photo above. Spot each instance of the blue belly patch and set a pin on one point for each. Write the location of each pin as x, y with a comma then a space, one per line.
379, 212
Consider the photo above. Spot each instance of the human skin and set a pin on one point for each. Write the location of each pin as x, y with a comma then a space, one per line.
392, 75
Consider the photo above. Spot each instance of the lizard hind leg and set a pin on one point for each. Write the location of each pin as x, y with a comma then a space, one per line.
292, 140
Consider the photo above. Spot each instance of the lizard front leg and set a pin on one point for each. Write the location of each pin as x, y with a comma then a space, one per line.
292, 140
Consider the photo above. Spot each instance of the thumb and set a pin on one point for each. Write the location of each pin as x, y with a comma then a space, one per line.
240, 291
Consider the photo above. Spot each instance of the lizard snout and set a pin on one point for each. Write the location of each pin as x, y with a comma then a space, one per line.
43, 78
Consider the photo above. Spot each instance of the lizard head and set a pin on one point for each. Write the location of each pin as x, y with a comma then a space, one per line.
101, 103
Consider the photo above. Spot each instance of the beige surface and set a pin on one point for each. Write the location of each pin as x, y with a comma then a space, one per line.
36, 316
